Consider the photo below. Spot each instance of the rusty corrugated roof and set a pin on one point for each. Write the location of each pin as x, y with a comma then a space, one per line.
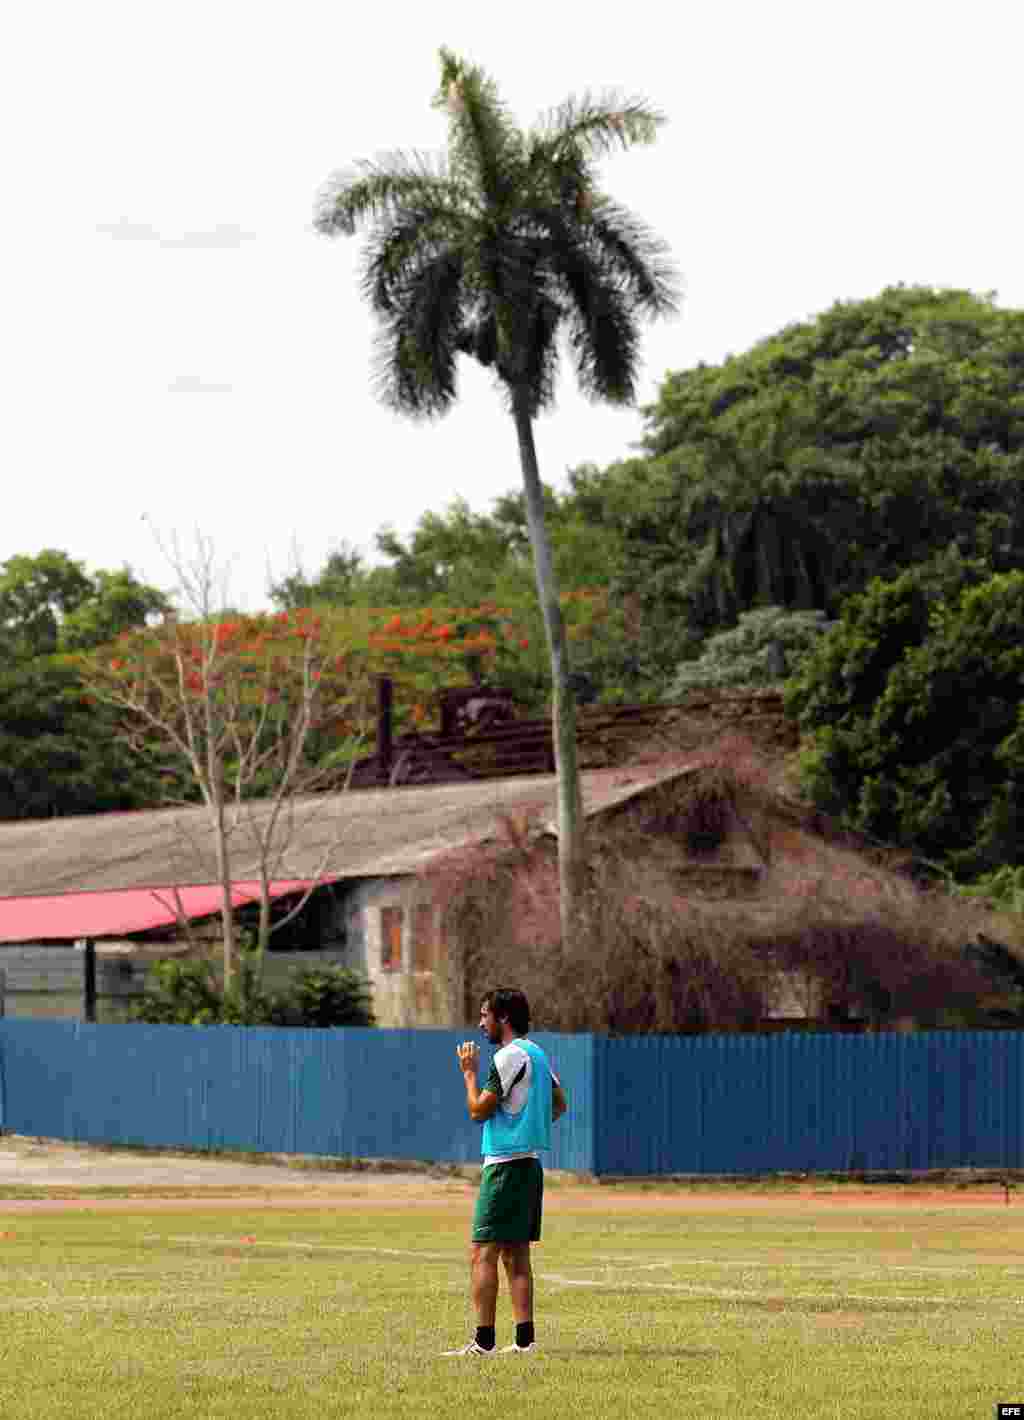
373, 833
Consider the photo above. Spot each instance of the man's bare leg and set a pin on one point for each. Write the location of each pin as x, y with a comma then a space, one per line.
483, 1267
483, 1279
519, 1271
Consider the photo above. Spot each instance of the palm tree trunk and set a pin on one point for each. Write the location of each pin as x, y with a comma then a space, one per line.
570, 807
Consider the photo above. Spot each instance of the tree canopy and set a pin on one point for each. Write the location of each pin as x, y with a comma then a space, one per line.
853, 445
60, 754
914, 708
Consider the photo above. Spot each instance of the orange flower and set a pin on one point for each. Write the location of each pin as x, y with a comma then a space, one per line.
524, 645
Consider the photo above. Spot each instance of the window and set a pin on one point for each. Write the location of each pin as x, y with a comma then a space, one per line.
391, 938
426, 938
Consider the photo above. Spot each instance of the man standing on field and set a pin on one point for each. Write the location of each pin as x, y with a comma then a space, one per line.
516, 1107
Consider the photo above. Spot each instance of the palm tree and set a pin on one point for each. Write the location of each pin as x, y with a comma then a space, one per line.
492, 251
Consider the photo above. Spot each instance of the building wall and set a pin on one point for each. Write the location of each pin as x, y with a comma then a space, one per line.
409, 982
394, 938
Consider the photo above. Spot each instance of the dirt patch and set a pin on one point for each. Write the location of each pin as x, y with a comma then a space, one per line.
422, 1193
38, 1175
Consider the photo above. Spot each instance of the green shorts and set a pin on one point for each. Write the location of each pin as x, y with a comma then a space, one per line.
508, 1206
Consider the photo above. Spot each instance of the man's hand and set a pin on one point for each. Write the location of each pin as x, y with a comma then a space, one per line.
481, 1103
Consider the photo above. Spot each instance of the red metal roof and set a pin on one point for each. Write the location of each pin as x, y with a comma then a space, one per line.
68, 916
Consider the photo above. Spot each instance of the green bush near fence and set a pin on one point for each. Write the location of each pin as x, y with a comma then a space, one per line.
189, 993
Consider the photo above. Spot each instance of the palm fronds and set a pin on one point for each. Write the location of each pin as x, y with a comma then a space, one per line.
593, 126
379, 190
485, 147
495, 248
419, 336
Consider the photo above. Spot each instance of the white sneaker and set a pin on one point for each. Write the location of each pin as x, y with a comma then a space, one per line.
508, 1350
472, 1349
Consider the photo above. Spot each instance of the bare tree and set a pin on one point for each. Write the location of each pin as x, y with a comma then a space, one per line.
235, 703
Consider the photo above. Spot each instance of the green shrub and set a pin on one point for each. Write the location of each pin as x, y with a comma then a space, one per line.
763, 649
1004, 887
189, 993
186, 993
323, 996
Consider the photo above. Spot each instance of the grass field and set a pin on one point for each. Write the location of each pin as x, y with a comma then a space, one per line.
835, 1308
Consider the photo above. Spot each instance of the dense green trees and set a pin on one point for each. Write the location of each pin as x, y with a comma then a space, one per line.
343, 580
851, 446
60, 754
866, 466
854, 445
914, 704
459, 558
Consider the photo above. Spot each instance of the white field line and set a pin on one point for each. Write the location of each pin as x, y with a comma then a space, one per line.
384, 1251
304, 1246
691, 1289
734, 1294
619, 1264
99, 1301
867, 1267
201, 1304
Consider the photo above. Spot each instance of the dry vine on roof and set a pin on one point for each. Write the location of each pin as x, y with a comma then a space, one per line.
669, 941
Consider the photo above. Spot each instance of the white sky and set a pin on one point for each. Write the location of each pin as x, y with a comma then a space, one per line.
179, 346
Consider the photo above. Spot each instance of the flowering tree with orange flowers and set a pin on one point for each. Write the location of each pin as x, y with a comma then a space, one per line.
237, 702
257, 710
433, 649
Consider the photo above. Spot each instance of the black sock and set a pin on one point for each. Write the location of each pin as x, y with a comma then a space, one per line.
524, 1333
485, 1338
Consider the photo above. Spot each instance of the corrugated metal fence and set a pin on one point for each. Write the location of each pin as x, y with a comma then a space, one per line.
753, 1104
642, 1106
359, 1093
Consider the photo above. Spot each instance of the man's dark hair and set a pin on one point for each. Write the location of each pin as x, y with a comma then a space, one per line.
505, 1002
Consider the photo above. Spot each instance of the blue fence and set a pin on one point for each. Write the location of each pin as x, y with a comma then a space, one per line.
394, 1094
820, 1103
642, 1106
